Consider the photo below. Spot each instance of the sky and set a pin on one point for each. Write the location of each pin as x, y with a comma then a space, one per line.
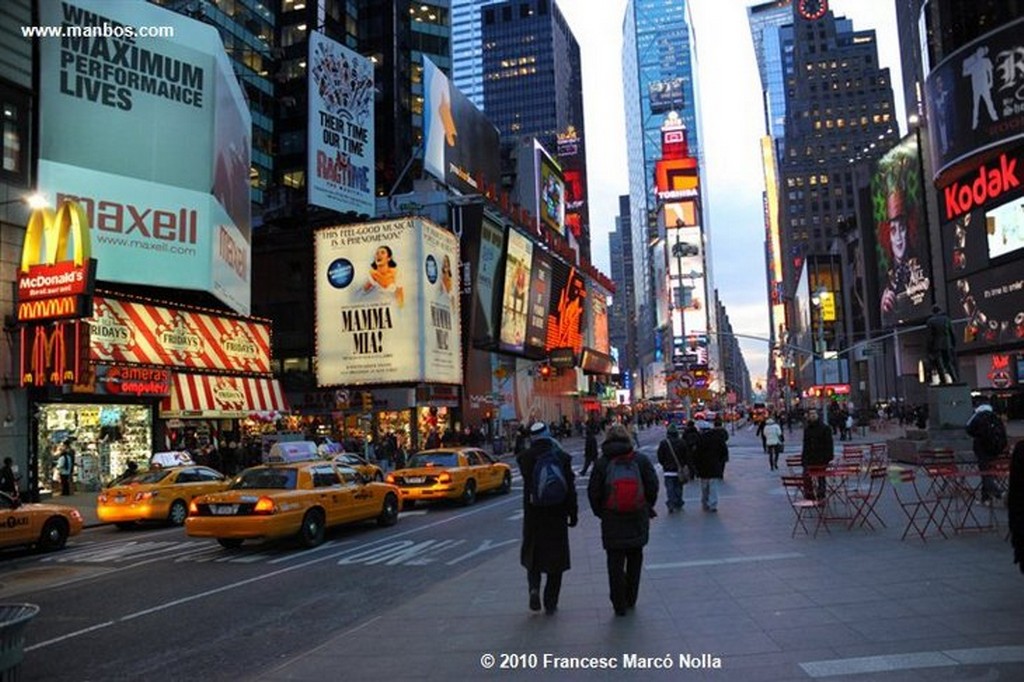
733, 122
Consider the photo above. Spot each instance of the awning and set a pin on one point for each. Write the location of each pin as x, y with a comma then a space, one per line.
223, 397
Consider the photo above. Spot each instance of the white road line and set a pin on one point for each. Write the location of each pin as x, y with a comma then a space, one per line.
248, 581
724, 560
913, 660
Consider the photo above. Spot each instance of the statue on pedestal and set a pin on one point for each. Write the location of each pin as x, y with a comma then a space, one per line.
941, 348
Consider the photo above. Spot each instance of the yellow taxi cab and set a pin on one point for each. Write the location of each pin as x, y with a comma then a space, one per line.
369, 470
47, 526
160, 494
290, 496
450, 473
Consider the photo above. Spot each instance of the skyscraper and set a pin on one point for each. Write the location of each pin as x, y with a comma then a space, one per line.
467, 52
533, 88
622, 321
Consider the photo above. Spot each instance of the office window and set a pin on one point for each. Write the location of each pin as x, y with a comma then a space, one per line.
14, 109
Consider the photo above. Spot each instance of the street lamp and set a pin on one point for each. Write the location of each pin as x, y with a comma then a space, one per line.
818, 300
34, 201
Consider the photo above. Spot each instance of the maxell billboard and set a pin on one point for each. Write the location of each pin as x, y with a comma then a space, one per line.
152, 137
387, 304
340, 173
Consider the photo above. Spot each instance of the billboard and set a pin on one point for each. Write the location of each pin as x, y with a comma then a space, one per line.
387, 304
460, 145
540, 301
516, 292
676, 178
574, 174
566, 310
169, 209
550, 192
901, 236
974, 98
992, 300
487, 286
665, 95
340, 159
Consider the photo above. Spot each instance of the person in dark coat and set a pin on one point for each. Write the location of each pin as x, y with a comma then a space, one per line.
8, 479
818, 451
623, 535
709, 460
674, 458
1015, 504
590, 452
984, 419
545, 547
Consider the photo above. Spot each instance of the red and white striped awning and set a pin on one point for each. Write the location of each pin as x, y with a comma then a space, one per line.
224, 397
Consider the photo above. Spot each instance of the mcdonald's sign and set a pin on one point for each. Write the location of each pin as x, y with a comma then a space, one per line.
57, 272
54, 353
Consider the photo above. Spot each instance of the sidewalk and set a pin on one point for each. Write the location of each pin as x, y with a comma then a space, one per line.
727, 596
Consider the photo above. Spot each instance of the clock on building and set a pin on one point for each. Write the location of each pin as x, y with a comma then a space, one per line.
812, 9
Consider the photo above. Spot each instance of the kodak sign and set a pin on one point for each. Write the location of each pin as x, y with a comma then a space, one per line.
978, 189
57, 271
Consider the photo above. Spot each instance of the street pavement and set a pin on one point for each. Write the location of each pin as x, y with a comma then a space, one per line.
726, 596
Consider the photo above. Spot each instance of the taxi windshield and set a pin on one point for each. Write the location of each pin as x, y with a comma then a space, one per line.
275, 479
434, 459
151, 476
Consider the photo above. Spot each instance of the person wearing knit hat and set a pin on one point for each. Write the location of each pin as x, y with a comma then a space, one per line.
623, 533
546, 522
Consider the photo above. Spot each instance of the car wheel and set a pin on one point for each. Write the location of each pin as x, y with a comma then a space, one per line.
125, 525
230, 543
312, 532
54, 535
389, 512
178, 513
506, 484
468, 493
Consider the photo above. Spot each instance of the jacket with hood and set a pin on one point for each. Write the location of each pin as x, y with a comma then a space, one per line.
619, 530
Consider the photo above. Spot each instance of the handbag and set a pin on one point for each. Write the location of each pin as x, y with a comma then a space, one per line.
682, 472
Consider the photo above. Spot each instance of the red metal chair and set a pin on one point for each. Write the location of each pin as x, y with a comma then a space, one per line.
914, 502
865, 500
802, 506
878, 454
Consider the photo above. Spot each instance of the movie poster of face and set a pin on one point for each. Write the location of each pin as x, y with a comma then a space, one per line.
515, 302
900, 236
341, 130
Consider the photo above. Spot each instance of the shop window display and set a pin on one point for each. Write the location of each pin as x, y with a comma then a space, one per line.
105, 438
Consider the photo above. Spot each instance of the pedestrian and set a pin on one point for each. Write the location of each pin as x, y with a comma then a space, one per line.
709, 461
546, 519
623, 533
774, 438
66, 466
590, 451
675, 464
8, 478
989, 434
848, 427
818, 451
1015, 504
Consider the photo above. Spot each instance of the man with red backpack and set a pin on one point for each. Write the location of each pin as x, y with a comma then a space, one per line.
623, 490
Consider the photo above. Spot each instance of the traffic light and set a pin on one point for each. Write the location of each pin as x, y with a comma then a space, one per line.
367, 401
545, 371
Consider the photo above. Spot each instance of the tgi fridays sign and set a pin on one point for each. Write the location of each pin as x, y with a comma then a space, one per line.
140, 333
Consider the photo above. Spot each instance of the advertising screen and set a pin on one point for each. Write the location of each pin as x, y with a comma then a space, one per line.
169, 209
1004, 226
487, 286
516, 292
990, 299
550, 192
460, 143
674, 177
901, 236
540, 300
565, 313
340, 172
973, 97
387, 304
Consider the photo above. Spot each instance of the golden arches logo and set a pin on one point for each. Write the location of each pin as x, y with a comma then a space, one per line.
49, 235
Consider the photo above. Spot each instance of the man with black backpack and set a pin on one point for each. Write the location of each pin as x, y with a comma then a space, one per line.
550, 508
674, 458
989, 435
623, 490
